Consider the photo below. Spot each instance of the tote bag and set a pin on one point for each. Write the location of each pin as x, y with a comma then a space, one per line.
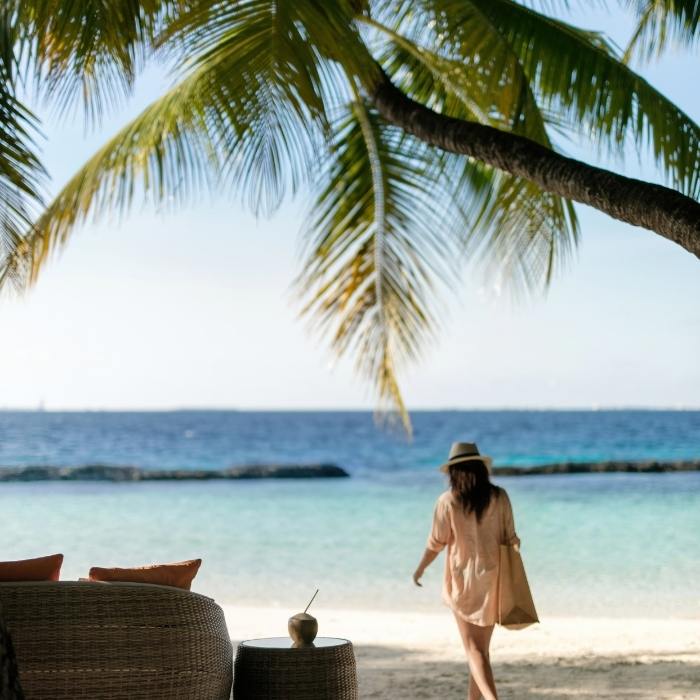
516, 608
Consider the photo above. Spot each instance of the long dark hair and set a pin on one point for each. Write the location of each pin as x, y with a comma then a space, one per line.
472, 487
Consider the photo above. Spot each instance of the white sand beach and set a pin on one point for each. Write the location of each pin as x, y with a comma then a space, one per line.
418, 655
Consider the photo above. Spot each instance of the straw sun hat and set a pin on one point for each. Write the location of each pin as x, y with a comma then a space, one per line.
461, 452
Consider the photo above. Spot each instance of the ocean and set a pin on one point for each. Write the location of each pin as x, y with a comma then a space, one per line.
614, 545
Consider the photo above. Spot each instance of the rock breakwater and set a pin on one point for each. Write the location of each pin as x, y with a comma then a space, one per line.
650, 467
101, 472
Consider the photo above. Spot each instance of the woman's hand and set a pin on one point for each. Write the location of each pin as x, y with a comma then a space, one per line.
428, 558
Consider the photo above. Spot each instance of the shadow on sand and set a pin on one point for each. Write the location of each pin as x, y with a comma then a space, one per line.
390, 673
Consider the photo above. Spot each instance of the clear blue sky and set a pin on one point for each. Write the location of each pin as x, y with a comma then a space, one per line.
194, 309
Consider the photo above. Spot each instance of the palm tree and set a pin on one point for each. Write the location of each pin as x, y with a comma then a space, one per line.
421, 127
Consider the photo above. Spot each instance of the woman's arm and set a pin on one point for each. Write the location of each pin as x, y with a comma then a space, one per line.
428, 558
438, 538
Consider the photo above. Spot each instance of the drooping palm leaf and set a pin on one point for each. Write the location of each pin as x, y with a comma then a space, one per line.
247, 112
89, 51
487, 85
379, 241
161, 153
522, 232
288, 47
580, 76
662, 23
21, 174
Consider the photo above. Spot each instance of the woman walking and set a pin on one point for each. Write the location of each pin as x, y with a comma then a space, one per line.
472, 519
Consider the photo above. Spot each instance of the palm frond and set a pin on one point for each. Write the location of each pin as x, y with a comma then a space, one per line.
523, 233
580, 76
307, 41
89, 51
162, 154
662, 23
242, 115
488, 86
288, 78
22, 177
379, 241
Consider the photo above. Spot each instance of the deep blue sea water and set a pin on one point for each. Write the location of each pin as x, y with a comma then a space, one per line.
211, 439
610, 544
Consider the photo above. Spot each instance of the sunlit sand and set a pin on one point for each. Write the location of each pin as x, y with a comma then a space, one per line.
419, 655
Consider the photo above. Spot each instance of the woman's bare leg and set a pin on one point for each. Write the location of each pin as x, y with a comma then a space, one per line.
476, 640
474, 691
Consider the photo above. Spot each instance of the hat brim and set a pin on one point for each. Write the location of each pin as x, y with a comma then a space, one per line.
472, 458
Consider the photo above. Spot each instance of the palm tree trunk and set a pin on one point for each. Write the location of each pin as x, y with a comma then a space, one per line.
660, 209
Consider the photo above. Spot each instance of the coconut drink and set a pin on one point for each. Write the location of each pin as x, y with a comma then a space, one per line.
303, 627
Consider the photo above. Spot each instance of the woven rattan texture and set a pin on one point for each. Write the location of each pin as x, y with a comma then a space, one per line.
323, 673
130, 641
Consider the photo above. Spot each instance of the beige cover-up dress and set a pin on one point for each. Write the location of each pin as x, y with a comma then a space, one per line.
470, 586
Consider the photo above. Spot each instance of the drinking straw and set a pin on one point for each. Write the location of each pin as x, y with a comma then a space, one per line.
311, 601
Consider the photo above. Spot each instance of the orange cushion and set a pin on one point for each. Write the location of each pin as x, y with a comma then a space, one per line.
179, 575
39, 569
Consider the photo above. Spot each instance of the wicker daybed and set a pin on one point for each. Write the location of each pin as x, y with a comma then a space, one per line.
76, 639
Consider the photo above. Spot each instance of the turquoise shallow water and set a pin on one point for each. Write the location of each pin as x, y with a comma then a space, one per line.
619, 545
613, 544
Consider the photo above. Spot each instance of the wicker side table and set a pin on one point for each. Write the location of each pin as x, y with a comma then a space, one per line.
272, 669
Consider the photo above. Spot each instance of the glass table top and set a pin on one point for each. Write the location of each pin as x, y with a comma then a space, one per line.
287, 643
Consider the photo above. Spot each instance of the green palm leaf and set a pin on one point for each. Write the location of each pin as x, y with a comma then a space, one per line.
523, 233
288, 78
379, 242
661, 23
247, 114
89, 51
579, 76
488, 85
161, 154
21, 173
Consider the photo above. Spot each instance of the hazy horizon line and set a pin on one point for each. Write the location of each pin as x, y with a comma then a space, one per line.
424, 409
